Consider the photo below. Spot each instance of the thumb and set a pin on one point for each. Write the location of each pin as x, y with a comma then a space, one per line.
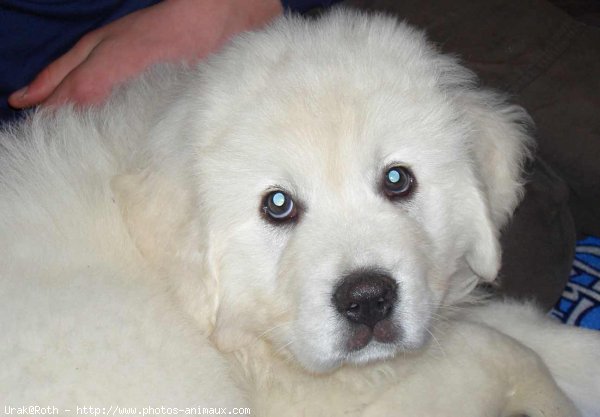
50, 77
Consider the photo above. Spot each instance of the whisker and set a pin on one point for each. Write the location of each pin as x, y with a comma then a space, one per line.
269, 330
281, 348
437, 342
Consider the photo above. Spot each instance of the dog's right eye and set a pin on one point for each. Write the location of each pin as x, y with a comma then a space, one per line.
279, 207
398, 181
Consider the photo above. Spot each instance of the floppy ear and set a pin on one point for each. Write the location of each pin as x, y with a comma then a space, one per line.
156, 194
157, 210
159, 213
499, 145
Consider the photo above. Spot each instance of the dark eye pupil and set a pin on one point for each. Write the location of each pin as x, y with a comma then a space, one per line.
398, 182
279, 206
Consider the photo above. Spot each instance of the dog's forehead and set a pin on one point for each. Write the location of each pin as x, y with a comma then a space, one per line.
339, 127
332, 104
334, 146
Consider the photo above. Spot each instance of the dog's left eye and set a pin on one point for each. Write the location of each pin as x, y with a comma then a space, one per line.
398, 181
279, 206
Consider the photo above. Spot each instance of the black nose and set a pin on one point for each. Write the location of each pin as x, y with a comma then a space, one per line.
366, 297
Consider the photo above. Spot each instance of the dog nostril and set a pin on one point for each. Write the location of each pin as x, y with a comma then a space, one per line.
365, 297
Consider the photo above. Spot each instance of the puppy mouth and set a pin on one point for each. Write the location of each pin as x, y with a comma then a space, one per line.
361, 335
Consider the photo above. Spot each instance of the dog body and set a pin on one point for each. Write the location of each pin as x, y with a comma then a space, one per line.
295, 226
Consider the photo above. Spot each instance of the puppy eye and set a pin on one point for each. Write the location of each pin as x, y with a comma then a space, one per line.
279, 206
398, 182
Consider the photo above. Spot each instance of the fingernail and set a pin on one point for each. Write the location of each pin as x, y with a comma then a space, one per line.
21, 93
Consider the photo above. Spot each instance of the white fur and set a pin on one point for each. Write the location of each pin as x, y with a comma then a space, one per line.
137, 268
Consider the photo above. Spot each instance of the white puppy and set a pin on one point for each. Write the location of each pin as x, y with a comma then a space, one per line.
295, 226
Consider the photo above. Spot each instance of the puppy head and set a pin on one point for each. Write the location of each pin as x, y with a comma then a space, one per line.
352, 180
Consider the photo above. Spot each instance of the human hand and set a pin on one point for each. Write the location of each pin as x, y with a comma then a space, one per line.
170, 31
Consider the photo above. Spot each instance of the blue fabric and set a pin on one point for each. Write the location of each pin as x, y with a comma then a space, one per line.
305, 5
580, 302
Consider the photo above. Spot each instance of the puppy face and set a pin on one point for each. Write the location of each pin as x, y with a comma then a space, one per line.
340, 191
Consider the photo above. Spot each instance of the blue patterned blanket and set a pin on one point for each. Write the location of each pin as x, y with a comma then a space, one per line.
580, 302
